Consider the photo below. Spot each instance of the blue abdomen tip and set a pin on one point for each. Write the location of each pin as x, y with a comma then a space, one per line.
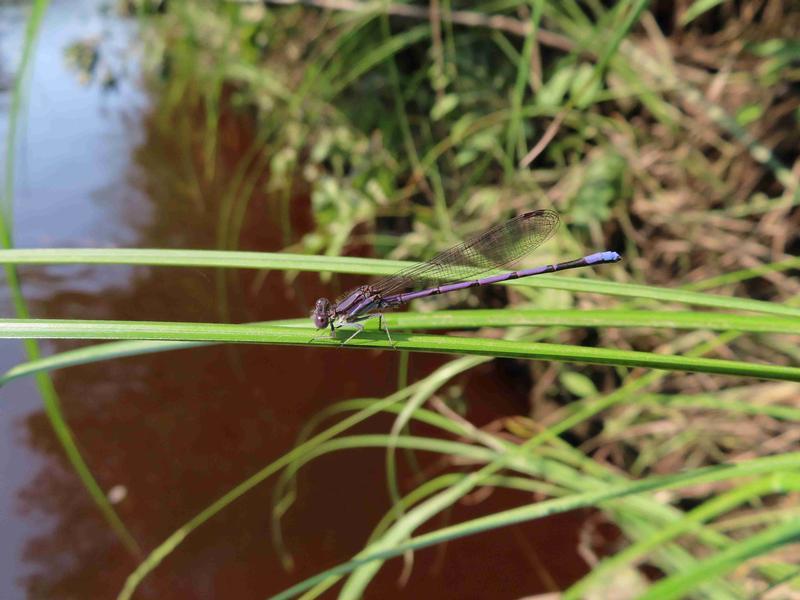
608, 256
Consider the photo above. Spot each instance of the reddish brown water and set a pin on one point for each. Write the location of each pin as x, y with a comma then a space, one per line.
177, 430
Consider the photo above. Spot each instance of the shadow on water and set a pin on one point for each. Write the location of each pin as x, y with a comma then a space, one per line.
171, 432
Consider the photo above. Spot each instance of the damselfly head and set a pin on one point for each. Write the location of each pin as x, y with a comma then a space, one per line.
322, 313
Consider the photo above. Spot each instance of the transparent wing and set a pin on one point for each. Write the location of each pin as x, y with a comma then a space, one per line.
493, 249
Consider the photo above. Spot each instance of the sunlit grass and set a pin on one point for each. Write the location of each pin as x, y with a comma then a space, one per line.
299, 331
636, 146
266, 334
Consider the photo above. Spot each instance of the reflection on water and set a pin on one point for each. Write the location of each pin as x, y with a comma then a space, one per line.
169, 433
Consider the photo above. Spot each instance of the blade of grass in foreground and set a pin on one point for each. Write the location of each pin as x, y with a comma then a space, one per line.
581, 413
266, 334
157, 555
771, 464
445, 319
715, 507
367, 266
44, 384
433, 382
679, 585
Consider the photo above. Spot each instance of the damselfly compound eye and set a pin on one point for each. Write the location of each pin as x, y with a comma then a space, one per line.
321, 314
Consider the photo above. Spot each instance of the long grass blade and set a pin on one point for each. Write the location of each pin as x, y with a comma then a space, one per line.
443, 320
365, 266
44, 384
437, 378
268, 334
766, 465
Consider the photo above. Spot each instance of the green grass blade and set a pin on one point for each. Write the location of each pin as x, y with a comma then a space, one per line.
767, 465
269, 334
440, 502
459, 319
698, 8
92, 354
465, 319
38, 10
379, 53
365, 266
106, 351
438, 378
44, 384
712, 508
744, 274
680, 584
514, 129
720, 402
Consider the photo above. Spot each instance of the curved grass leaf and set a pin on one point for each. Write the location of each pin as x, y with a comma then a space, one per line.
654, 515
157, 555
761, 466
680, 584
44, 384
696, 9
581, 413
721, 402
716, 506
92, 354
283, 493
436, 379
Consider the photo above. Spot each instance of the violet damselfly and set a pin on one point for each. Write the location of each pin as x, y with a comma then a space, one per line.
453, 269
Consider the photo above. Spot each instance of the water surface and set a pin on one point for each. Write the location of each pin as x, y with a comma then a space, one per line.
169, 433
